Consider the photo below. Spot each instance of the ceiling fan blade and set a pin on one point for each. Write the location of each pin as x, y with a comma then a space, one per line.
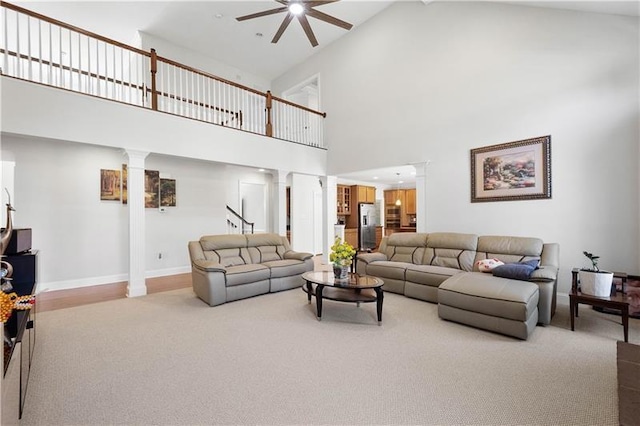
307, 29
314, 3
261, 14
328, 18
283, 26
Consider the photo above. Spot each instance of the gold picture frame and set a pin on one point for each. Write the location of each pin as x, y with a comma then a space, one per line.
512, 171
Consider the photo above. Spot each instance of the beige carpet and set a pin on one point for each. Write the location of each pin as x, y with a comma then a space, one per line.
168, 358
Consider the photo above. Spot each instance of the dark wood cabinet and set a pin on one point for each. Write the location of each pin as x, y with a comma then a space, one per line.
20, 330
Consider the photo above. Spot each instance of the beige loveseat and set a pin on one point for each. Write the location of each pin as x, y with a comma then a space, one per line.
232, 267
441, 268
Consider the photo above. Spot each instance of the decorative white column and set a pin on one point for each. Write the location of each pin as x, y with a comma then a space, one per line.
329, 212
137, 240
279, 205
421, 196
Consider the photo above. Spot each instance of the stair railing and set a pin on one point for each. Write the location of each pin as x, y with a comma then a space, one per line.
242, 219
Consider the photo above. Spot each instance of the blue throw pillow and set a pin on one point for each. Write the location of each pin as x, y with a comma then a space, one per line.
516, 271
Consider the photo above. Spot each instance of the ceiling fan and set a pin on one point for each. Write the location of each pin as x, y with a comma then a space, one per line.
300, 9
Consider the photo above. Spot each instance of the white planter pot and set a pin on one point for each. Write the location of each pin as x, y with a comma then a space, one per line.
596, 283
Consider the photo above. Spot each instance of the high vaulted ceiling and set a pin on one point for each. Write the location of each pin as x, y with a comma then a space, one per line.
210, 27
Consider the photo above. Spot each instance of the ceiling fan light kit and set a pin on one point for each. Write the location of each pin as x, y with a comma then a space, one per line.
300, 9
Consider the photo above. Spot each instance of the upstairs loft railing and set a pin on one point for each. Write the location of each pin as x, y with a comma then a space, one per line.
40, 49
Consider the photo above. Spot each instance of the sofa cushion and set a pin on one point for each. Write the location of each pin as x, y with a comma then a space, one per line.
263, 254
428, 274
215, 242
406, 254
246, 274
387, 269
451, 250
486, 265
230, 256
508, 249
286, 268
404, 247
489, 295
515, 271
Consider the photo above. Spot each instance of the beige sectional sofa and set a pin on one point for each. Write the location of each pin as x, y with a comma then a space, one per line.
232, 267
441, 268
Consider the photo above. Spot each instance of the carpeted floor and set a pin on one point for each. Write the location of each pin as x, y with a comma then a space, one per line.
169, 359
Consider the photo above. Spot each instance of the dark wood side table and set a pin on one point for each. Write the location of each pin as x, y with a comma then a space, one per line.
617, 300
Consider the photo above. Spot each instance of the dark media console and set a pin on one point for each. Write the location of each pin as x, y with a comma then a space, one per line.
20, 241
20, 328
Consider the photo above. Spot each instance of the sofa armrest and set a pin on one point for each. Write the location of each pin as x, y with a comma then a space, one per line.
297, 255
209, 266
544, 274
371, 257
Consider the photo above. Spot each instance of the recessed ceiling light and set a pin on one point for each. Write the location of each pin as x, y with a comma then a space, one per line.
261, 170
375, 177
400, 181
296, 8
219, 15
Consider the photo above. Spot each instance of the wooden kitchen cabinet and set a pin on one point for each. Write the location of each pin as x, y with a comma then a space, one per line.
410, 197
393, 195
343, 200
363, 194
378, 236
351, 236
390, 197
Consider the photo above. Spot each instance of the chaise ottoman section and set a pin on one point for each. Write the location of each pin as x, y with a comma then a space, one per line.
496, 304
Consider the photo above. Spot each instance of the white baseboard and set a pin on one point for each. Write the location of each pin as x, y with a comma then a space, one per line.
107, 279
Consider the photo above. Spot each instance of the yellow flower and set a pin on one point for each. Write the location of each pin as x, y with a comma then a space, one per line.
341, 253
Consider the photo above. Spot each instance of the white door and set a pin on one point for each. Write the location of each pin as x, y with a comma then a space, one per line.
253, 205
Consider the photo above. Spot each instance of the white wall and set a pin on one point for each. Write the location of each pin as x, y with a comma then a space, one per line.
306, 234
41, 111
428, 83
196, 60
83, 240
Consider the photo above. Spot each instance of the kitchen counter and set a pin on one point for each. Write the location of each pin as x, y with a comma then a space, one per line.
389, 231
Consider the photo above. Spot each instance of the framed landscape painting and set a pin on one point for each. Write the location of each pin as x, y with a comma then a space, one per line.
167, 192
110, 185
512, 171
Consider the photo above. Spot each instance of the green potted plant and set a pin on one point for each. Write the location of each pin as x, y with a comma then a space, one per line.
341, 256
593, 281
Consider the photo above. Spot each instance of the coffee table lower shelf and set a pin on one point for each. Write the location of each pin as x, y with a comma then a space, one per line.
349, 295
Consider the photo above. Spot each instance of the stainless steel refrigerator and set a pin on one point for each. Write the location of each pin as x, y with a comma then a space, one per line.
366, 226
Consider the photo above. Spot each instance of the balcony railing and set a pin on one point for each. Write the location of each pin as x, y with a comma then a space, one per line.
37, 48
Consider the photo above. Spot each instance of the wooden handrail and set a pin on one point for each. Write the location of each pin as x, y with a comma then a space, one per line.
71, 27
239, 86
206, 74
245, 221
302, 107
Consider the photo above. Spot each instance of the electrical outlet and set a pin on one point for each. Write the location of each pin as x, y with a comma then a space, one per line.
160, 255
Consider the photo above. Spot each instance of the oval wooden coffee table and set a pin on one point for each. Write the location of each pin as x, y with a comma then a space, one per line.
356, 289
